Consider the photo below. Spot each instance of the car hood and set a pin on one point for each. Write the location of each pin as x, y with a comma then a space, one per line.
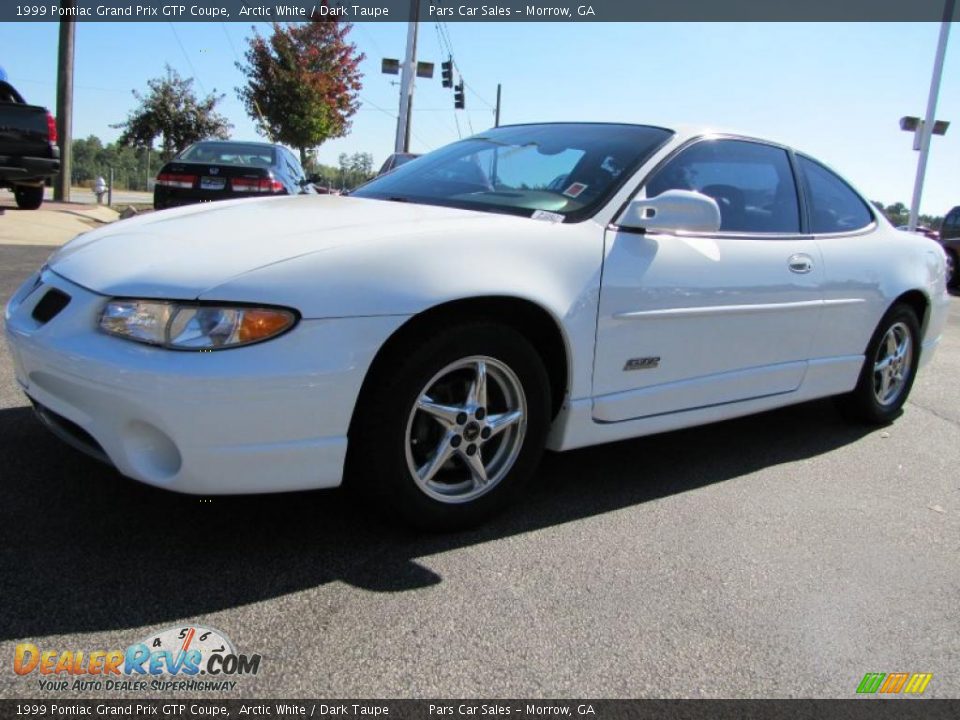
183, 252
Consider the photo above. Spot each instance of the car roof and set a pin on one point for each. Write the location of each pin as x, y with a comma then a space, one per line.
681, 131
256, 143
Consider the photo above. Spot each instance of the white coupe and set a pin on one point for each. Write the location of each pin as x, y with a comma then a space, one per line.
551, 285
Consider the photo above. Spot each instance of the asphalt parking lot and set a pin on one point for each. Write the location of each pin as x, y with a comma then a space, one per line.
783, 555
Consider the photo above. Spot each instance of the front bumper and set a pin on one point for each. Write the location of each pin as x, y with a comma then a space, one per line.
265, 418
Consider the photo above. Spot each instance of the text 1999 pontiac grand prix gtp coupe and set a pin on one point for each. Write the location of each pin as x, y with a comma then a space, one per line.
554, 285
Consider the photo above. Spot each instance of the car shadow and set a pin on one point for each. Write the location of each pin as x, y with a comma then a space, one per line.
83, 549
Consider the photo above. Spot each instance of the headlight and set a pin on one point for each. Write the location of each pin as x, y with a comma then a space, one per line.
188, 326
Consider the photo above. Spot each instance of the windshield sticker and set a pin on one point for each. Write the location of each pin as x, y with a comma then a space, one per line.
574, 190
547, 215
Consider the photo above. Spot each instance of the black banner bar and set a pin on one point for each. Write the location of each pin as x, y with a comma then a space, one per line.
480, 11
857, 709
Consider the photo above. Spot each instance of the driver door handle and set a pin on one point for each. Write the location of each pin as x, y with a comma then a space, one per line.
800, 263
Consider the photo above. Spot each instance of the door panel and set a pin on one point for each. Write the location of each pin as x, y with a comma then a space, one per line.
704, 320
857, 258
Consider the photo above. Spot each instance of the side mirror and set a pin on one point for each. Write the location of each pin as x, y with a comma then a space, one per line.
673, 210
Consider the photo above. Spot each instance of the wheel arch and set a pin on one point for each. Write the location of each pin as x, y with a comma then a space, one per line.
917, 301
531, 319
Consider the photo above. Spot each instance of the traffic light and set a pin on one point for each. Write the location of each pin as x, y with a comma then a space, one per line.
446, 73
458, 100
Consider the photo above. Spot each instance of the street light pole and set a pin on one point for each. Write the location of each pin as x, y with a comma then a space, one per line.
927, 130
409, 71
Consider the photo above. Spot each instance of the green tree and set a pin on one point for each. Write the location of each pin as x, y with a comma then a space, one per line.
93, 159
303, 83
85, 154
172, 112
354, 169
899, 214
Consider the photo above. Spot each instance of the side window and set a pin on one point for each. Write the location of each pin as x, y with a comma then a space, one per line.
752, 183
834, 207
952, 221
293, 165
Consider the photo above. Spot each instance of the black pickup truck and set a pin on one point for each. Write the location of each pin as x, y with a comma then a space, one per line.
28, 147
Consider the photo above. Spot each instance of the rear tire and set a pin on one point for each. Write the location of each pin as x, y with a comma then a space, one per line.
889, 369
436, 452
28, 197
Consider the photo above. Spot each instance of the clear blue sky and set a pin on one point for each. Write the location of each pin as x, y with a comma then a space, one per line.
833, 90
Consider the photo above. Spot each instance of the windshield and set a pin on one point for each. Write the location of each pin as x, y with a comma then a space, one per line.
229, 154
570, 169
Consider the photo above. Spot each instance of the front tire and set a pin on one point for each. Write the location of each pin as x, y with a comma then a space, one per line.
450, 435
889, 369
28, 197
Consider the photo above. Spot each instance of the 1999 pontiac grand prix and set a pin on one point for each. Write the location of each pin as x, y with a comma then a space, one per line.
552, 285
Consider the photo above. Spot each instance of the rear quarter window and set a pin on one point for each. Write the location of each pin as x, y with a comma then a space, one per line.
834, 206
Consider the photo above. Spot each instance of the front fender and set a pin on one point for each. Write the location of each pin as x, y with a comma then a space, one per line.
554, 265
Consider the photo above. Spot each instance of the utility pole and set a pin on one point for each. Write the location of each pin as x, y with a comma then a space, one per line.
61, 189
407, 80
927, 130
496, 121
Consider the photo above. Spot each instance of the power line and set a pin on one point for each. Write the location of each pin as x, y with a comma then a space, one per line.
393, 116
377, 107
423, 142
369, 36
233, 49
440, 110
449, 45
47, 83
476, 94
444, 48
185, 55
448, 49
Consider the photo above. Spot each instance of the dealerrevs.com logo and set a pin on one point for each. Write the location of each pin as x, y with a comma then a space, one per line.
182, 658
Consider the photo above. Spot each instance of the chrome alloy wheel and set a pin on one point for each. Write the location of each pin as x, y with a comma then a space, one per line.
892, 365
466, 429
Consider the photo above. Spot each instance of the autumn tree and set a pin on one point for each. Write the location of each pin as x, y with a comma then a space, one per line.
172, 112
303, 83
